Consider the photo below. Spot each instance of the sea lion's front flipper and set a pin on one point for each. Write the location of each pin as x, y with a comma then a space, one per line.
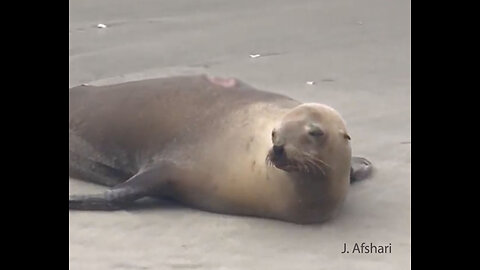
142, 184
361, 168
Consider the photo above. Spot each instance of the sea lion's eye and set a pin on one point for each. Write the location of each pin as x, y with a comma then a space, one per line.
316, 132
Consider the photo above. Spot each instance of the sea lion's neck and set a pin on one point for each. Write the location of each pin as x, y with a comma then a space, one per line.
311, 186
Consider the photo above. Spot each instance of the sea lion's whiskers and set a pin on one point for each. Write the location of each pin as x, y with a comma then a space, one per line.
311, 162
320, 168
307, 165
317, 160
268, 162
322, 162
305, 168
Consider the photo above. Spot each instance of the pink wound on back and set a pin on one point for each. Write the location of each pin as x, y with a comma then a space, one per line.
227, 83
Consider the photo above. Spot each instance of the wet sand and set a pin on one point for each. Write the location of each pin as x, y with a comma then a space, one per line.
357, 53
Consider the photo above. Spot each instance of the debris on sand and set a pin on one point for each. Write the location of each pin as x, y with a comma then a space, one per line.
310, 82
254, 55
101, 25
328, 80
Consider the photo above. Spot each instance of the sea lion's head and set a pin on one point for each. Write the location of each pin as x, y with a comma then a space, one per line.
308, 139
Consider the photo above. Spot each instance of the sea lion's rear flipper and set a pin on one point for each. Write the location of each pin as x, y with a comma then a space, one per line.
89, 170
141, 185
88, 164
360, 169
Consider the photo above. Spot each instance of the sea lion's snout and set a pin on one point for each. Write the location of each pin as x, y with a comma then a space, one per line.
277, 154
278, 150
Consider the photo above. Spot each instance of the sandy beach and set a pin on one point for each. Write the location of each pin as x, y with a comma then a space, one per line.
351, 55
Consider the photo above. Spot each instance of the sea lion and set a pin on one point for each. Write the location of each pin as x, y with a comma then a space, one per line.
215, 144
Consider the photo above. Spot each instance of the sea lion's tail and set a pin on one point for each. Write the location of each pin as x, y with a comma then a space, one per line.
361, 168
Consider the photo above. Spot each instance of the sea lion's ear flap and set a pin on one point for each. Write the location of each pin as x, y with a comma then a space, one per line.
345, 134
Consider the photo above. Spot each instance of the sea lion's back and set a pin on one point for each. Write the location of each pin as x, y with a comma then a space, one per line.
157, 109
